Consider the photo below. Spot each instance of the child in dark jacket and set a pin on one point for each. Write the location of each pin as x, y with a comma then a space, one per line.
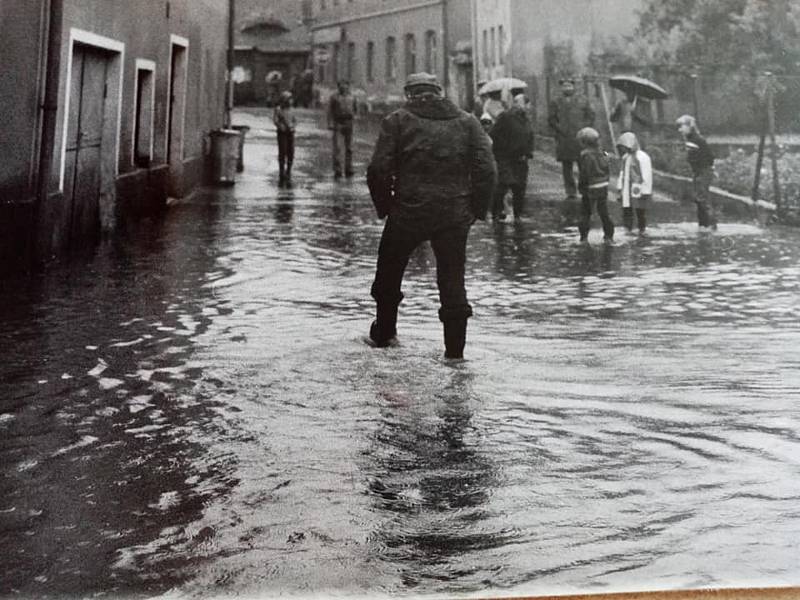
285, 123
593, 183
701, 161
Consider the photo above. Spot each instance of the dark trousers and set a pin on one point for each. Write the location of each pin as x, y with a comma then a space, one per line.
599, 201
517, 197
449, 246
514, 177
706, 207
345, 131
627, 218
568, 172
285, 153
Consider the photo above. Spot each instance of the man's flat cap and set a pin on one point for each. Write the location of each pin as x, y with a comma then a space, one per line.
422, 79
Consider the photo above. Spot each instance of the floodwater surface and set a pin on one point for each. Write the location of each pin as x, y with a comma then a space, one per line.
191, 411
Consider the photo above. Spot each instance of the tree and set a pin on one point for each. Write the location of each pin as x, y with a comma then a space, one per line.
730, 43
727, 35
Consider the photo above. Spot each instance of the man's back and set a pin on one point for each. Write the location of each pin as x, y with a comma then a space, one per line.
436, 159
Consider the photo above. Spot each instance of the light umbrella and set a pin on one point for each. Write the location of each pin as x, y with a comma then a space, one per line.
502, 83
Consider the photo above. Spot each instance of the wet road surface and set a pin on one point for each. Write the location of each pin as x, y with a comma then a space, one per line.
190, 411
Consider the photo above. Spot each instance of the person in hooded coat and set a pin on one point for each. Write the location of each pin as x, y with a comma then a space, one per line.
432, 174
635, 182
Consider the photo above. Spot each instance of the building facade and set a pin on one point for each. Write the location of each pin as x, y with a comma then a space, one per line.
538, 40
375, 45
106, 118
273, 49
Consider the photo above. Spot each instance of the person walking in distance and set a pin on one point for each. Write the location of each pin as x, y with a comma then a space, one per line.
569, 113
341, 111
593, 184
432, 175
285, 123
701, 161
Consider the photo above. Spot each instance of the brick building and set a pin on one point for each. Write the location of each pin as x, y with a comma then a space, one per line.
102, 117
375, 44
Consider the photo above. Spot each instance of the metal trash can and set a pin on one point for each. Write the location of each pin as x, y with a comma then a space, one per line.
224, 155
242, 129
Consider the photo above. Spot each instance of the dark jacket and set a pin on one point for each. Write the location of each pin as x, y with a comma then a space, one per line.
432, 165
593, 172
630, 118
341, 110
567, 115
698, 153
512, 135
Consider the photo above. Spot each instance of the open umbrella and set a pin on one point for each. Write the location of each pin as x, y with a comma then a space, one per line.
638, 86
503, 83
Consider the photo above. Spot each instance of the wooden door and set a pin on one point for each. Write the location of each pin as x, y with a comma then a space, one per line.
85, 142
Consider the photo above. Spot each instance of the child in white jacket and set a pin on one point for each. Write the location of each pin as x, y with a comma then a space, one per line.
635, 182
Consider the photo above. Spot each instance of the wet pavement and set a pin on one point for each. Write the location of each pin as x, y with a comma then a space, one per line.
190, 410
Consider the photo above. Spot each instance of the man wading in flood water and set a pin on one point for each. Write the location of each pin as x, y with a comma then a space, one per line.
432, 173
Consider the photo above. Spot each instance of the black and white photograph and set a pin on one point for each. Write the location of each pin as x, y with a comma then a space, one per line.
400, 299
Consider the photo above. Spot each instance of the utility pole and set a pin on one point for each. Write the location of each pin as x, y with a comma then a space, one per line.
475, 63
231, 42
776, 183
445, 49
49, 108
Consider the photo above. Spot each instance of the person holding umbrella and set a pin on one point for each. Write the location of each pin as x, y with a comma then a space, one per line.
631, 112
512, 145
567, 115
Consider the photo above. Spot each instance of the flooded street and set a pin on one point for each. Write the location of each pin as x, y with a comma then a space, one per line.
191, 411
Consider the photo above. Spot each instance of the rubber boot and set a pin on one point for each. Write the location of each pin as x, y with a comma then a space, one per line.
383, 331
281, 175
288, 178
455, 338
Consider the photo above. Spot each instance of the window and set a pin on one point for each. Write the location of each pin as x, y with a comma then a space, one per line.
485, 48
351, 61
411, 54
501, 40
391, 59
370, 61
335, 61
143, 123
431, 52
493, 46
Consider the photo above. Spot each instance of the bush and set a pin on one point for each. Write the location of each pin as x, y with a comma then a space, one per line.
736, 173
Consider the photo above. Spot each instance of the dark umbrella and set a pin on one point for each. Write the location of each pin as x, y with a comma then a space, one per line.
638, 86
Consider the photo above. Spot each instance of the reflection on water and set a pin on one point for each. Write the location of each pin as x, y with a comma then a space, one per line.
194, 408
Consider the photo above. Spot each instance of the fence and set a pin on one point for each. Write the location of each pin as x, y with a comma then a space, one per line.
751, 120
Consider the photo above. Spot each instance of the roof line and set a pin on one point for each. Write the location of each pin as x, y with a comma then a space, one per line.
379, 13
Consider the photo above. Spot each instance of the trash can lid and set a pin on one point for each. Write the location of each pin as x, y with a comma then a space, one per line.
225, 132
